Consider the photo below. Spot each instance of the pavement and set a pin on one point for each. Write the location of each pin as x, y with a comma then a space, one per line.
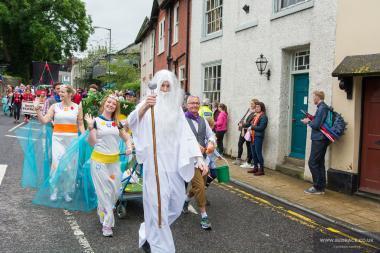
243, 220
355, 212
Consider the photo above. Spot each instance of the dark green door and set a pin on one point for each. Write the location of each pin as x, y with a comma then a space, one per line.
300, 101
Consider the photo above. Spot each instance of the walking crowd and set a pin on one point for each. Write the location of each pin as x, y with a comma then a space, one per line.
176, 143
13, 98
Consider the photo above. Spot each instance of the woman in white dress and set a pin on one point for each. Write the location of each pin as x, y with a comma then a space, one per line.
68, 121
105, 134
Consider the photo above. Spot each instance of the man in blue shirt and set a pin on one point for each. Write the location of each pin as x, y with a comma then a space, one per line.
319, 144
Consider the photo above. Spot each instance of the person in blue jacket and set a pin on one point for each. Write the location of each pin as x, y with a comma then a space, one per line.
319, 144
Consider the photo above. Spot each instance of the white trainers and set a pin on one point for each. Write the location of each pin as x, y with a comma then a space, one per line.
245, 165
67, 197
107, 231
53, 196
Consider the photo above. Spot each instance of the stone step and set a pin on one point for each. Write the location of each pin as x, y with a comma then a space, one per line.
295, 161
291, 170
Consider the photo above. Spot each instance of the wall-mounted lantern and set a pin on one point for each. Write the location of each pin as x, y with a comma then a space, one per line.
261, 64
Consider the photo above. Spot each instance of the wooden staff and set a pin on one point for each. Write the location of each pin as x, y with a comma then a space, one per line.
153, 86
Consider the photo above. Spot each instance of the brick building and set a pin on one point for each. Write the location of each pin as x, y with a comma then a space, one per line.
170, 25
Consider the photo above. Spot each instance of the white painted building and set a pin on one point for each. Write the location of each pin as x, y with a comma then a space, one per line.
298, 39
147, 38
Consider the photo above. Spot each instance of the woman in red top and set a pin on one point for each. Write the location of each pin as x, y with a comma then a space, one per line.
221, 126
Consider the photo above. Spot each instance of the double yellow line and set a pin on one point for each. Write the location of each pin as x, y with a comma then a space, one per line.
292, 215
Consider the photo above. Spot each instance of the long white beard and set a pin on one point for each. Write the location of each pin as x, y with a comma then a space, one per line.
167, 114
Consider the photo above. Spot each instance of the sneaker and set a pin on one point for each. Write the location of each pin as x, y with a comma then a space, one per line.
67, 197
237, 162
53, 196
245, 165
185, 208
312, 190
205, 223
107, 231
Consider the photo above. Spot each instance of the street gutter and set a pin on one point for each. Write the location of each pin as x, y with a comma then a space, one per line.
319, 215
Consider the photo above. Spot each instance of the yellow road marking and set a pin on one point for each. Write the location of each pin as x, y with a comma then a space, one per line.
301, 216
290, 214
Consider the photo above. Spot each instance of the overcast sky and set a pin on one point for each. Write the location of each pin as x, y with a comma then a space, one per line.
124, 17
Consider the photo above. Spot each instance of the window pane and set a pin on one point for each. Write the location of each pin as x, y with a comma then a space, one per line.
307, 58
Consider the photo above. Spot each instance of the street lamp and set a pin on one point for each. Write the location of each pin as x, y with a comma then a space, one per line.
261, 64
109, 52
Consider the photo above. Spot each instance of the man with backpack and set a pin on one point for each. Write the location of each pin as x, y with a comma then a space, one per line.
319, 144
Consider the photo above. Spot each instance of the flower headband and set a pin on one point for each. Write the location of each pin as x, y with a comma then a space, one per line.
113, 97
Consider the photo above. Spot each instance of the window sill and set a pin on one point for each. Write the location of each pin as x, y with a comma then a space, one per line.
246, 26
292, 10
174, 43
160, 53
212, 36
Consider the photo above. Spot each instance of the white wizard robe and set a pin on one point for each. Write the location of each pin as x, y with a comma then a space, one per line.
175, 165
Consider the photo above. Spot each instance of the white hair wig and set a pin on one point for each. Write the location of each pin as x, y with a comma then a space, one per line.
176, 94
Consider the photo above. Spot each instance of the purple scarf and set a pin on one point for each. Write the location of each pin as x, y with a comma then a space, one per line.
190, 115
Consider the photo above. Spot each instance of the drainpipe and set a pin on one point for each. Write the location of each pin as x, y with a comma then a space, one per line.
154, 51
168, 58
187, 47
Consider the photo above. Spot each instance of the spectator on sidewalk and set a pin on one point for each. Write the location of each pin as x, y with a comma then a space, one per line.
205, 111
221, 127
258, 126
243, 125
319, 144
215, 110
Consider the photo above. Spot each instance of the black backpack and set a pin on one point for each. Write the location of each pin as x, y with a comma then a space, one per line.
336, 123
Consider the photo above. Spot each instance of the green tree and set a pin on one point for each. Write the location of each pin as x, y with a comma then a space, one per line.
41, 30
123, 73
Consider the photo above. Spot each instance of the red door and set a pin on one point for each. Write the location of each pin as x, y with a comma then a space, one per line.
370, 158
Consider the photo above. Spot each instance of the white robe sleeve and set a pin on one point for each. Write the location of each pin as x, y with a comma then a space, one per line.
188, 150
141, 132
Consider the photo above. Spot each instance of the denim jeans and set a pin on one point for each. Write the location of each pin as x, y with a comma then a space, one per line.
317, 163
257, 152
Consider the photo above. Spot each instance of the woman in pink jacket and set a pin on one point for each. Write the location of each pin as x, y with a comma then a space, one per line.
221, 126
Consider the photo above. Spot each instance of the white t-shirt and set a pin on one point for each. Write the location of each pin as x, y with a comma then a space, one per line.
107, 136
